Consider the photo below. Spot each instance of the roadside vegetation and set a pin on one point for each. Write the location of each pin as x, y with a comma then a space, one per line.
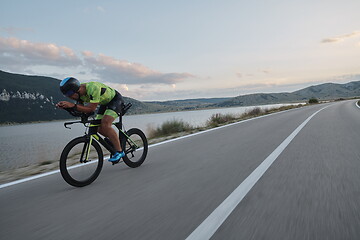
170, 127
175, 127
313, 100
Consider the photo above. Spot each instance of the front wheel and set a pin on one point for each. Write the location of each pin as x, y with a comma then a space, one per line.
135, 146
81, 162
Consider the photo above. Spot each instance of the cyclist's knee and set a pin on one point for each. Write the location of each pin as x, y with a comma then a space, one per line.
106, 121
100, 130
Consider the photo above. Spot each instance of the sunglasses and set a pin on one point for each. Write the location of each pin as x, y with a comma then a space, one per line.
69, 93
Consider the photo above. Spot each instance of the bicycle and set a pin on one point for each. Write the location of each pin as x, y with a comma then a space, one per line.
82, 159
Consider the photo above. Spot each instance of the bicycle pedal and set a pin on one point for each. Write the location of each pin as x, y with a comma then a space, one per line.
115, 162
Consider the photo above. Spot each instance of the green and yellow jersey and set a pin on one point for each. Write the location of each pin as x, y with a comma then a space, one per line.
97, 92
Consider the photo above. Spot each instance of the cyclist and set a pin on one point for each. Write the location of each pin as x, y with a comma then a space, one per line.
95, 93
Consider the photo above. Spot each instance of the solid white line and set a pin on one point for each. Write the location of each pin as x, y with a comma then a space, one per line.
43, 175
153, 145
210, 225
28, 179
356, 103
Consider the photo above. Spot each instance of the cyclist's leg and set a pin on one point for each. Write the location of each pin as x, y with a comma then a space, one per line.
102, 129
113, 110
107, 130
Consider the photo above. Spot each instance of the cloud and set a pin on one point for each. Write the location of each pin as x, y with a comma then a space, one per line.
22, 55
87, 54
121, 87
122, 71
341, 38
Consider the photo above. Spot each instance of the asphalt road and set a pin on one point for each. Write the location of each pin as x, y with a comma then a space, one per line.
310, 191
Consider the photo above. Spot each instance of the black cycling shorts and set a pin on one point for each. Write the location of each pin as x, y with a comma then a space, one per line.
113, 108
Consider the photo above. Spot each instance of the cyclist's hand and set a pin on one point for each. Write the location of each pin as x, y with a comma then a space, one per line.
65, 104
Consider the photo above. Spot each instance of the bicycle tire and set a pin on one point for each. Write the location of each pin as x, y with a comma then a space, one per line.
130, 159
70, 164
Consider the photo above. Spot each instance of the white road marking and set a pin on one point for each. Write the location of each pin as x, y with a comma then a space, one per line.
356, 103
210, 225
153, 145
43, 175
28, 179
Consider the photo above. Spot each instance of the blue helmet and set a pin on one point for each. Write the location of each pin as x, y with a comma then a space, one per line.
69, 86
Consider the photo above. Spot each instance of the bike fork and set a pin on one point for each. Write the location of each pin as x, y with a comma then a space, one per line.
86, 151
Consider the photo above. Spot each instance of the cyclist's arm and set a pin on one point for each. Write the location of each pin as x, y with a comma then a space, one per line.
91, 107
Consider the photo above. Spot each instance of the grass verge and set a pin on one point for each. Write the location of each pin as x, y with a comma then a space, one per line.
177, 127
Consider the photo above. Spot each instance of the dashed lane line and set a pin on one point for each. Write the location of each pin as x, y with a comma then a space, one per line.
210, 225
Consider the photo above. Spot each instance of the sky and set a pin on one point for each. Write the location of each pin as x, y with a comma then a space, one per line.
166, 50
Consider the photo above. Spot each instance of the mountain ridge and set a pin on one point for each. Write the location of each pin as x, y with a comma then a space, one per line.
325, 91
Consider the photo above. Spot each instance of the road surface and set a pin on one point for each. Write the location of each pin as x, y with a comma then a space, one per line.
310, 188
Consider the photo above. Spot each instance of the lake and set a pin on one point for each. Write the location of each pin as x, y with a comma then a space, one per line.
27, 144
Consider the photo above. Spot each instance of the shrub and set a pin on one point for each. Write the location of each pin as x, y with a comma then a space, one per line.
218, 118
254, 112
313, 100
170, 127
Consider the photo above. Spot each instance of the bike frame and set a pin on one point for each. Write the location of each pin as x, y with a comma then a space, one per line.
93, 134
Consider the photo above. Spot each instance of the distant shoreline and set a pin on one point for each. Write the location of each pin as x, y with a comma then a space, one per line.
8, 124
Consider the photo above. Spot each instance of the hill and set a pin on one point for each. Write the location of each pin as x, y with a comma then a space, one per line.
326, 91
29, 98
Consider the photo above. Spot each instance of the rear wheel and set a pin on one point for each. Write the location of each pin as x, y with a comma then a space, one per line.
80, 162
135, 147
